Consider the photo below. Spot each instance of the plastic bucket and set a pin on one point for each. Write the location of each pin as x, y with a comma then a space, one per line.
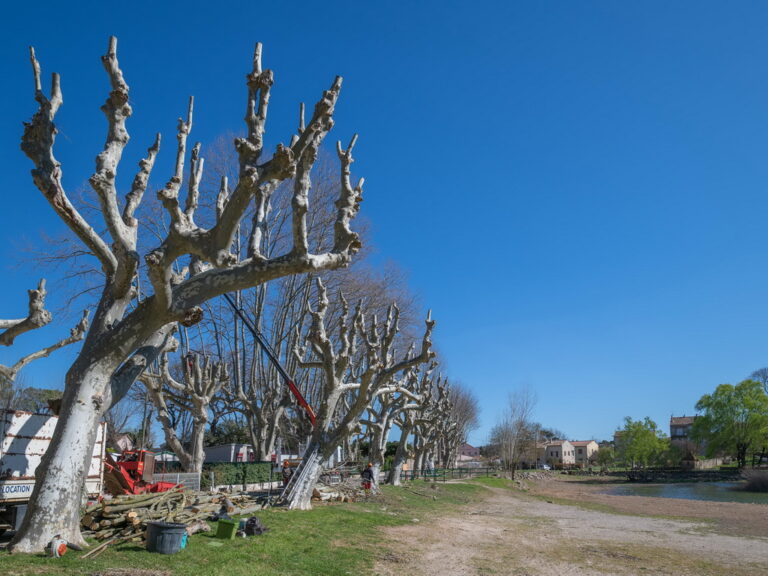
226, 529
165, 537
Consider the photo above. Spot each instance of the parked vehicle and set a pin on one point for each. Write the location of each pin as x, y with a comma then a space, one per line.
24, 438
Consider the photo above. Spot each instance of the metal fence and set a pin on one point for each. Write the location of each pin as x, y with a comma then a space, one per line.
444, 474
189, 480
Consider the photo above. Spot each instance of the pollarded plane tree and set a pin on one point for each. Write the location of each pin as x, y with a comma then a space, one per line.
463, 418
191, 264
416, 410
448, 441
257, 391
37, 317
383, 412
351, 381
260, 392
279, 308
201, 380
432, 423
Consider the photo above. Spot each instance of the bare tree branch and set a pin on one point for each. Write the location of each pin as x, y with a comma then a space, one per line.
37, 317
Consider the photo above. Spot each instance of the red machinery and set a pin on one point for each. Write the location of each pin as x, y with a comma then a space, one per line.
133, 473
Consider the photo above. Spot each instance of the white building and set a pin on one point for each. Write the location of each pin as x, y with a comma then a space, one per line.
229, 453
560, 453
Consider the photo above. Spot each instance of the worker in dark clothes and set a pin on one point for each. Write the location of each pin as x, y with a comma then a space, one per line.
367, 477
287, 472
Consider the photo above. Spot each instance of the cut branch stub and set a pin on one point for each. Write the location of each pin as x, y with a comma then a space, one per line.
37, 317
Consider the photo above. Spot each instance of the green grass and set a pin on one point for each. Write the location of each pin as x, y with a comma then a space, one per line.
333, 539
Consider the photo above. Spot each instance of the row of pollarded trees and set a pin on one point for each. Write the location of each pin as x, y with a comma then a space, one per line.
243, 240
358, 374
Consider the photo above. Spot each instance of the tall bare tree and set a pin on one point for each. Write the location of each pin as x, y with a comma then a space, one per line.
761, 375
516, 433
465, 415
200, 382
191, 264
351, 382
382, 416
434, 422
411, 412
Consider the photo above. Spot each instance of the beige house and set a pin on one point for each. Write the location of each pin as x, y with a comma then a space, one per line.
585, 451
560, 453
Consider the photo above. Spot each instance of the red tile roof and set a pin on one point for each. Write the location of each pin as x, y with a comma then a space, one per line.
681, 420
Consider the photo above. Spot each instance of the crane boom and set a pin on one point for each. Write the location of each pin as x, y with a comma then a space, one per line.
261, 341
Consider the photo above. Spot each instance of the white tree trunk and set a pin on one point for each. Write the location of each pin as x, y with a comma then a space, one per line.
302, 499
401, 455
118, 348
55, 504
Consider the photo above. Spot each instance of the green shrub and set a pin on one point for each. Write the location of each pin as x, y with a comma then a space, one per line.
235, 473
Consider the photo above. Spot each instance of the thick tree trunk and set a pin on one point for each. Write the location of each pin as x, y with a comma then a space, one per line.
197, 450
302, 499
111, 359
377, 448
55, 504
258, 433
401, 455
418, 459
376, 469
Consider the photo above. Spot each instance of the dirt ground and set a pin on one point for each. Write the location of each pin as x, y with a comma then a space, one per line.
518, 533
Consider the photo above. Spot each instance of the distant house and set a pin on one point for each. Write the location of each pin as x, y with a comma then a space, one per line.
691, 451
585, 451
680, 434
560, 453
680, 427
469, 450
229, 453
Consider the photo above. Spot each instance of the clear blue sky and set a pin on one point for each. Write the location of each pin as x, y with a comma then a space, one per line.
578, 190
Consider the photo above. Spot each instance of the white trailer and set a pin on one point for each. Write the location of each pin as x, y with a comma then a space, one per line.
24, 438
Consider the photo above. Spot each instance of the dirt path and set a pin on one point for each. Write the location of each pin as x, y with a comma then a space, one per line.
511, 533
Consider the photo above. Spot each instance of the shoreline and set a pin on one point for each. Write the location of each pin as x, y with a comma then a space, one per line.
744, 519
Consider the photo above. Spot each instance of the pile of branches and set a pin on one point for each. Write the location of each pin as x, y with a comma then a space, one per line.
349, 490
125, 517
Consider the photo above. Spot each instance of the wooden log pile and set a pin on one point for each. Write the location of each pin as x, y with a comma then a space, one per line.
124, 518
348, 490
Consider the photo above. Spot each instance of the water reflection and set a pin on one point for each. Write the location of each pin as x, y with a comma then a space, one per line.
717, 491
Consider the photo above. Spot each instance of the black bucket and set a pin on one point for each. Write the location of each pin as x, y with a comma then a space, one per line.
165, 537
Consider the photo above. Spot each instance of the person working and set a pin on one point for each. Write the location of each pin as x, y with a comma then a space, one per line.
287, 472
367, 477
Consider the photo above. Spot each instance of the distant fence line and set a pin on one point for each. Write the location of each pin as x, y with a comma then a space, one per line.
444, 474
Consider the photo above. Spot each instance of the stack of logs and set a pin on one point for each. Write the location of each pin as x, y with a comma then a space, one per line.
126, 517
349, 490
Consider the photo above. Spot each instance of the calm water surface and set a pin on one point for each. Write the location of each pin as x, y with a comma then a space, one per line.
718, 491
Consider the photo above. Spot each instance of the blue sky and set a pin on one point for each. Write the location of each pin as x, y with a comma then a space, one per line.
578, 190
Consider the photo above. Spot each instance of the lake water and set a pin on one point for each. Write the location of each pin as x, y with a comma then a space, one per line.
717, 491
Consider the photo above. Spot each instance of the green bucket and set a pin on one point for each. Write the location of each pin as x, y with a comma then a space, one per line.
227, 529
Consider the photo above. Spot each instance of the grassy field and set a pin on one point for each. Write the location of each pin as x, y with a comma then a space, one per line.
332, 539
